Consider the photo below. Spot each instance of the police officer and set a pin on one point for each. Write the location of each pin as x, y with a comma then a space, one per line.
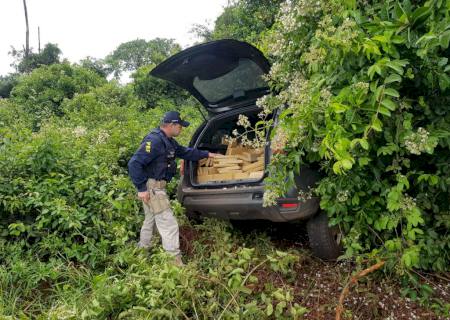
150, 168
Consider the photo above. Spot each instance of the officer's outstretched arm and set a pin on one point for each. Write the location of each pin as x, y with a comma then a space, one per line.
147, 151
191, 154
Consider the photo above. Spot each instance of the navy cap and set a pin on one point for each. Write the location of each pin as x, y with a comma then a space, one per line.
174, 117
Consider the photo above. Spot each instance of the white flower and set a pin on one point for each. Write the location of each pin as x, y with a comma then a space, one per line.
408, 203
304, 195
315, 56
243, 121
269, 198
343, 196
363, 86
103, 135
280, 139
79, 131
416, 143
229, 140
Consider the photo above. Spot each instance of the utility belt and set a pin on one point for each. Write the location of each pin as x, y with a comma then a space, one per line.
159, 201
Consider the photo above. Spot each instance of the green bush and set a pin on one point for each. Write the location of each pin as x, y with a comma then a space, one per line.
7, 83
366, 88
65, 189
62, 196
219, 282
42, 91
155, 92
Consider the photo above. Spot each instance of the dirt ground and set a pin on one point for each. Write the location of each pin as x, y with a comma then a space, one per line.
318, 284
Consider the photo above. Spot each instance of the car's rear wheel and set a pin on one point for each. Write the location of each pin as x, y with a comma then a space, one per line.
194, 218
325, 241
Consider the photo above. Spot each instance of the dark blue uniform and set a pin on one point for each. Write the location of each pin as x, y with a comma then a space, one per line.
155, 158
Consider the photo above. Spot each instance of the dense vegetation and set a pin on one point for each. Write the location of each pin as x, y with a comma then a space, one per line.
365, 88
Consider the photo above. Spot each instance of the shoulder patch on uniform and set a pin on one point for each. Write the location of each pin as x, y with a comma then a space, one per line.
148, 146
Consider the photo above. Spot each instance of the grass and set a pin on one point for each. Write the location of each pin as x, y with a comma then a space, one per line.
254, 274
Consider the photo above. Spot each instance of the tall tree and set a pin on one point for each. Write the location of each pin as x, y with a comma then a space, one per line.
132, 55
245, 20
27, 32
26, 63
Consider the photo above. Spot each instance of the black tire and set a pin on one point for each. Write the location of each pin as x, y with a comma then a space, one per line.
194, 219
325, 241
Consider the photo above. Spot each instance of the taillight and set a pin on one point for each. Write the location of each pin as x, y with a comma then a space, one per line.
181, 167
289, 205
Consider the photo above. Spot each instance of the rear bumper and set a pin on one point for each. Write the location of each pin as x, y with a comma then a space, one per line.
241, 203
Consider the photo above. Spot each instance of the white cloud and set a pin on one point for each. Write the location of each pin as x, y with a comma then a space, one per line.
96, 27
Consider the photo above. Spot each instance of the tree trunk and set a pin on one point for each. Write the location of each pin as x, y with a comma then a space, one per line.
39, 39
27, 40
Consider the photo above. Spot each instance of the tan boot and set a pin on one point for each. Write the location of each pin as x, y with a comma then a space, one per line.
178, 262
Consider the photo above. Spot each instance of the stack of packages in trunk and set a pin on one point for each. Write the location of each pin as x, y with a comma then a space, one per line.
239, 163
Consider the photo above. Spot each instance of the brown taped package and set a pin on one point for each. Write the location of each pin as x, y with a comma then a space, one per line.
239, 163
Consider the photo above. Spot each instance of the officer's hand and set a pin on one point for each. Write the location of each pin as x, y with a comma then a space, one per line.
144, 196
214, 155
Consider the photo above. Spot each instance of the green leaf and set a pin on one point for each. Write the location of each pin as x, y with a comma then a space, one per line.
269, 309
381, 38
420, 15
426, 38
279, 308
397, 65
391, 92
444, 39
393, 78
384, 111
381, 223
414, 217
245, 290
392, 245
347, 164
412, 234
337, 167
398, 39
374, 69
355, 200
388, 103
406, 260
444, 81
339, 107
363, 161
377, 124
442, 62
278, 295
364, 144
393, 200
411, 257
434, 180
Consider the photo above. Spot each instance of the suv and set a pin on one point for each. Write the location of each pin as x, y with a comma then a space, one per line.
226, 78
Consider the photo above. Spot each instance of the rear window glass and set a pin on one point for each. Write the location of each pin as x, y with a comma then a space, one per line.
246, 76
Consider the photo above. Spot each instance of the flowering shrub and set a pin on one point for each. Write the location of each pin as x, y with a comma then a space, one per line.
252, 135
364, 88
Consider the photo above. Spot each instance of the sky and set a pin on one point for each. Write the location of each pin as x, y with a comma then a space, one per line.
96, 27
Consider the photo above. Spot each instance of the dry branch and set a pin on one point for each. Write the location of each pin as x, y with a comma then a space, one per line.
353, 280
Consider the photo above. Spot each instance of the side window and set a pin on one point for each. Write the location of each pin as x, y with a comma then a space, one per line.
214, 135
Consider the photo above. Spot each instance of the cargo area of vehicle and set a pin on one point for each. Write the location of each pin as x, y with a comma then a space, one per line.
240, 161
